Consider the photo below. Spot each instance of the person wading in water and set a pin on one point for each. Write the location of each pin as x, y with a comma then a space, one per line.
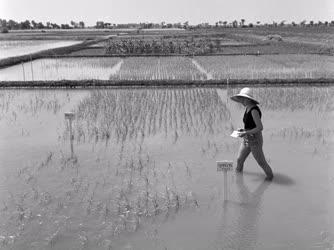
252, 133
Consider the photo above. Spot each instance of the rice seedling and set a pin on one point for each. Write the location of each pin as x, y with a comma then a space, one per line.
83, 239
155, 68
52, 239
122, 120
267, 66
123, 186
64, 68
7, 240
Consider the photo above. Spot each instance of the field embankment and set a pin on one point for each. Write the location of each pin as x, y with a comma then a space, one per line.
61, 51
164, 83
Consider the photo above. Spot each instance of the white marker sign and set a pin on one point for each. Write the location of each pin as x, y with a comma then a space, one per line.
69, 115
224, 165
235, 134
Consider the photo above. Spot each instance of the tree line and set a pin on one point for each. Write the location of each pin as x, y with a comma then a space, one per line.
28, 25
7, 25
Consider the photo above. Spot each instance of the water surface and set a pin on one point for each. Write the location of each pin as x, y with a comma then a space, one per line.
141, 172
24, 47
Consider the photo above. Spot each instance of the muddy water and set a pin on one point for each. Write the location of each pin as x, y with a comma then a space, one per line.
142, 174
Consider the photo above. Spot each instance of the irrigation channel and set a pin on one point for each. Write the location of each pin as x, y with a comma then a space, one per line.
142, 173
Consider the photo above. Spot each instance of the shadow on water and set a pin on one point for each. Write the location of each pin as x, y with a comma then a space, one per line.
280, 179
239, 221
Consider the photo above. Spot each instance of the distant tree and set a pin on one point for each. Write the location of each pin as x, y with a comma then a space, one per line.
178, 25
12, 25
4, 30
242, 22
34, 24
311, 23
55, 26
320, 23
81, 24
225, 23
186, 25
282, 23
294, 24
326, 23
65, 26
40, 25
235, 24
48, 25
3, 23
74, 24
25, 25
258, 23
331, 23
99, 25
302, 23
250, 25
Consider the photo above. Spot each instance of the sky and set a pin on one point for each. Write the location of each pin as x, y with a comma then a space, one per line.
169, 11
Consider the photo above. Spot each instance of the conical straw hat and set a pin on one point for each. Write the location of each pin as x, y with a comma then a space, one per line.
244, 93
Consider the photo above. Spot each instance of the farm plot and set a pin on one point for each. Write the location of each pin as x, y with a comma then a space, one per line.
62, 68
173, 68
158, 68
322, 36
190, 45
268, 66
142, 174
23, 47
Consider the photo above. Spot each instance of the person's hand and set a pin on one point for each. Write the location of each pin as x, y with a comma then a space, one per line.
242, 134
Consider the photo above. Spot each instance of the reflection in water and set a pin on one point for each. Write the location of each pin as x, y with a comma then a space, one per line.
240, 220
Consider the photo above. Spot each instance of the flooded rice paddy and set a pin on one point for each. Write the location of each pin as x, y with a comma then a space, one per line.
140, 170
61, 69
173, 68
24, 47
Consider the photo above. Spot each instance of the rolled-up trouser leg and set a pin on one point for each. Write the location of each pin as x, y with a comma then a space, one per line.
244, 151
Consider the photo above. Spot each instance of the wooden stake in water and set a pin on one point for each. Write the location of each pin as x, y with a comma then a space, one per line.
227, 90
23, 72
70, 116
225, 166
32, 71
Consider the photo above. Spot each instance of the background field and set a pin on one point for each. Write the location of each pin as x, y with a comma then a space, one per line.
173, 68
